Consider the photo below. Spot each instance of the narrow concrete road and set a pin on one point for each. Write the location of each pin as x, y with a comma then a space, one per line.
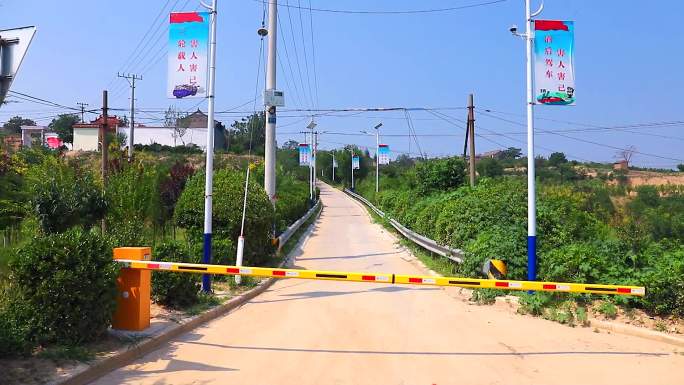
325, 332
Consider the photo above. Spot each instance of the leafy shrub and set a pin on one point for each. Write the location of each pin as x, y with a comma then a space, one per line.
440, 174
664, 282
227, 213
15, 336
292, 203
171, 288
608, 309
496, 242
67, 285
63, 197
489, 167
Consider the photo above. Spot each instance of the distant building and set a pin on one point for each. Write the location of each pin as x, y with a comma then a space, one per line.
41, 134
621, 165
190, 130
87, 135
489, 154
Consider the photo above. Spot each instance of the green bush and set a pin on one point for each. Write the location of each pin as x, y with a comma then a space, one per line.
63, 197
664, 282
293, 201
227, 213
15, 334
497, 242
489, 167
67, 285
176, 290
440, 174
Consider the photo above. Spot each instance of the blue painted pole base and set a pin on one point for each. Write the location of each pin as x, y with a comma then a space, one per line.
531, 258
206, 258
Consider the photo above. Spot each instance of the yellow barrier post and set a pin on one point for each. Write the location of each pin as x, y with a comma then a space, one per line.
133, 286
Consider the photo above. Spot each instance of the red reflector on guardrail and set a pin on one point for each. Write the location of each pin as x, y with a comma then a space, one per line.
279, 273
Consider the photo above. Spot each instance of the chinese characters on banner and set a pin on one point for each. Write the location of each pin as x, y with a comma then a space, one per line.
304, 154
554, 75
383, 154
188, 52
355, 163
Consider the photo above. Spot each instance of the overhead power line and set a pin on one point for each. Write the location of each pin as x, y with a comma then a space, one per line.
393, 12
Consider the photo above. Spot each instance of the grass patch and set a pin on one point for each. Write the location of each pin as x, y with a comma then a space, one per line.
206, 302
608, 309
63, 353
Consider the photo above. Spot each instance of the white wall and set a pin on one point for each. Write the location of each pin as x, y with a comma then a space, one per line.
86, 139
166, 136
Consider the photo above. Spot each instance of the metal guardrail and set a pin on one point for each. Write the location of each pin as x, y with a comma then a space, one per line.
455, 255
285, 235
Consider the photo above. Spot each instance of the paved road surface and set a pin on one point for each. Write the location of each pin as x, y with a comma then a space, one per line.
324, 332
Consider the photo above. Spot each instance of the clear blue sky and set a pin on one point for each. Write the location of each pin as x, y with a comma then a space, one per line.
628, 56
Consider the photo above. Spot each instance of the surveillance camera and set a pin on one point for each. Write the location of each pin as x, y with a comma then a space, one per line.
513, 29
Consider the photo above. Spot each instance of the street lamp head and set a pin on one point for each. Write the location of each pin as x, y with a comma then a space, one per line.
514, 29
378, 126
311, 125
262, 31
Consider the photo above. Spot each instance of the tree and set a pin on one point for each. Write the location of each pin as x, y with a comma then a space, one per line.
291, 145
626, 153
63, 125
680, 167
511, 153
248, 130
489, 167
14, 124
557, 158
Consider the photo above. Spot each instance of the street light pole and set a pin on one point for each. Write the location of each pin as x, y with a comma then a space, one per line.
352, 169
531, 188
209, 180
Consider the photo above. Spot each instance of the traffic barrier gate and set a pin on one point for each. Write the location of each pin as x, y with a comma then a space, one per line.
142, 266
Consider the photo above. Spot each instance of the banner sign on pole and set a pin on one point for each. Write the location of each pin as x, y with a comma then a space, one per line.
188, 52
554, 75
383, 154
355, 162
334, 163
304, 154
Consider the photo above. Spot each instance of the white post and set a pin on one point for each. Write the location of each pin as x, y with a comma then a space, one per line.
238, 260
531, 193
310, 167
377, 159
270, 152
333, 167
352, 170
209, 181
313, 160
132, 122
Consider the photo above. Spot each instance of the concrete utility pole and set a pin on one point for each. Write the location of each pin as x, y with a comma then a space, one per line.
333, 167
131, 78
82, 105
471, 137
104, 147
209, 180
313, 160
270, 152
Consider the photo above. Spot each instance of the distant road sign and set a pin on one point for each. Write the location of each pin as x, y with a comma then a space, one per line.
13, 46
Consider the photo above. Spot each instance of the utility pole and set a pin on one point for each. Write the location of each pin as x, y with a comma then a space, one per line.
471, 136
104, 147
333, 167
131, 78
82, 105
209, 179
313, 159
270, 152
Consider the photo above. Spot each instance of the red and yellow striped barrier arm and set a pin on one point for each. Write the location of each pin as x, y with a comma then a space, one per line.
400, 279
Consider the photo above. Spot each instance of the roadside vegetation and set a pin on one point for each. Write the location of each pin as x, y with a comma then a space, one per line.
57, 276
590, 229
